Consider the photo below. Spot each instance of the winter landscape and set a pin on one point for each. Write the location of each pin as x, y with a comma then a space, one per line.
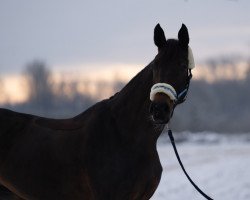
58, 58
218, 164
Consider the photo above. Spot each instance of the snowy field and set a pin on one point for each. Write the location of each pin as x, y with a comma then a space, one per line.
218, 164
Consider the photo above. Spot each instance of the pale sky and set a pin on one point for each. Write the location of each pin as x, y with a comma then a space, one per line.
98, 33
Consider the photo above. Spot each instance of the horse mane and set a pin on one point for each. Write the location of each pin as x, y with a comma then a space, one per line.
136, 83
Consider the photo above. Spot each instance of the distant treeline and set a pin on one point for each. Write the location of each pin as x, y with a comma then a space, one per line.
222, 106
49, 99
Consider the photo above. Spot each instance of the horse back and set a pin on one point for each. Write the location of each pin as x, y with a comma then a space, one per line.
12, 120
11, 126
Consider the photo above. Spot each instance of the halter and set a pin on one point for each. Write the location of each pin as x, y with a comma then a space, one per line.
169, 89
171, 92
182, 96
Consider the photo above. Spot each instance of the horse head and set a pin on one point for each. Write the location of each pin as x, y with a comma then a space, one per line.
171, 73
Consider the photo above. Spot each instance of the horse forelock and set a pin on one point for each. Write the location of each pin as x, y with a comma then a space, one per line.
171, 51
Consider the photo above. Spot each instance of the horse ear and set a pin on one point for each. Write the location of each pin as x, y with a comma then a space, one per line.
159, 36
183, 36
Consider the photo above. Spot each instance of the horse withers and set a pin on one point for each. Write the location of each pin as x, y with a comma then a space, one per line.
107, 152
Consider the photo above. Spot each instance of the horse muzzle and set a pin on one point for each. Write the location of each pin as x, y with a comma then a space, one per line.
162, 98
160, 112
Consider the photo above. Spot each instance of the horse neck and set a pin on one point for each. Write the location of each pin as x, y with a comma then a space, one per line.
130, 107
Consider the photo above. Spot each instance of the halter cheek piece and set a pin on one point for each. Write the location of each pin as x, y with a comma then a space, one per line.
169, 89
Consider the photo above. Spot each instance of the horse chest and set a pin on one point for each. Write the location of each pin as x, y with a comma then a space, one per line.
127, 176
147, 182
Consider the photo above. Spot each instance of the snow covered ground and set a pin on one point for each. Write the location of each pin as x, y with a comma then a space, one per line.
218, 164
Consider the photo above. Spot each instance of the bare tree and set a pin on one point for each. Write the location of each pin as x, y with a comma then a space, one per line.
39, 84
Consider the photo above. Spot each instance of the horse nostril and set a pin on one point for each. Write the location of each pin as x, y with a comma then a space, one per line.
157, 114
156, 106
163, 107
166, 108
160, 111
159, 107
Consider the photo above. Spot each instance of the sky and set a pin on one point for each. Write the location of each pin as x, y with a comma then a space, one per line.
82, 34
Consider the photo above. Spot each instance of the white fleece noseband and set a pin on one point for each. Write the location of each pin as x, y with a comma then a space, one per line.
163, 88
168, 89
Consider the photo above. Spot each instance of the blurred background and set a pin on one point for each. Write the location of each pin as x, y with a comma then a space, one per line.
57, 58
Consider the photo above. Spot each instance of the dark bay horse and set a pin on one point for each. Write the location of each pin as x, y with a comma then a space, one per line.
107, 152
